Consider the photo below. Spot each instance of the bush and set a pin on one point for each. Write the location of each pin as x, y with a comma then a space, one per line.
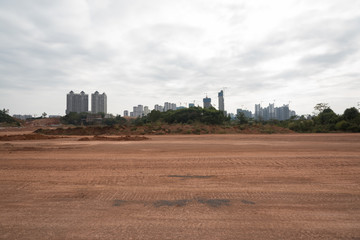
189, 116
7, 119
351, 114
342, 125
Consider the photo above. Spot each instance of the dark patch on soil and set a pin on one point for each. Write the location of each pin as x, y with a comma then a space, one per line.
168, 203
123, 138
247, 202
189, 176
215, 202
118, 202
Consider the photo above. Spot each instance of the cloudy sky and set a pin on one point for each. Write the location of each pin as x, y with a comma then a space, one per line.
148, 52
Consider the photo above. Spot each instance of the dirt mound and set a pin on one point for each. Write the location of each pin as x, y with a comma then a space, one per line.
165, 129
42, 122
91, 130
124, 138
26, 137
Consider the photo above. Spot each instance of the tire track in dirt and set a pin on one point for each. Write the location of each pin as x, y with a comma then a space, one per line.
184, 191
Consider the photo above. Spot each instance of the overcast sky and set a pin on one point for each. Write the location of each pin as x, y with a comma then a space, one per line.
149, 52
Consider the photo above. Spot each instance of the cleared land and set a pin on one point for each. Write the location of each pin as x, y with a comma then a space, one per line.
283, 186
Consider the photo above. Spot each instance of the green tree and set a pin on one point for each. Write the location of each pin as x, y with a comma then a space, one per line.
327, 116
242, 118
320, 107
351, 114
188, 116
154, 116
342, 125
6, 118
73, 118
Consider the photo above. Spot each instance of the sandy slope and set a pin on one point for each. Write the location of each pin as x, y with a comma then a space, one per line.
296, 186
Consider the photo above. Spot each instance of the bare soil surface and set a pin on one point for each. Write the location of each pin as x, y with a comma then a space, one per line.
31, 136
281, 186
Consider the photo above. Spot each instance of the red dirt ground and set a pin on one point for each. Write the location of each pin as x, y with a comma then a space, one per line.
281, 186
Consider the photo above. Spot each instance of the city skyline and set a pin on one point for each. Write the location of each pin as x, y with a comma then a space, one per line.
295, 51
79, 102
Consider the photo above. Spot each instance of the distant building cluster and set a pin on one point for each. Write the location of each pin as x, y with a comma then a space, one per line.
79, 102
169, 106
22, 117
247, 113
140, 110
269, 113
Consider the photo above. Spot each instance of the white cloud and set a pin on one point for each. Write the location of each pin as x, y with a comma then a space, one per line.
148, 52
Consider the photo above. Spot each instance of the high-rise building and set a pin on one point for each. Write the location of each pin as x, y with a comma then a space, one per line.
271, 110
126, 113
292, 113
140, 111
158, 108
221, 100
134, 113
166, 106
207, 102
77, 102
258, 112
98, 103
146, 110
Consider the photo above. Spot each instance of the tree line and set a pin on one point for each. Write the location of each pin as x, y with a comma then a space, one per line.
325, 120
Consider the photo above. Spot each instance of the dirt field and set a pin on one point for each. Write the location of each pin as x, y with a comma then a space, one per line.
284, 186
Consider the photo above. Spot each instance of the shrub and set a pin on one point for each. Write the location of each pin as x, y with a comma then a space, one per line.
342, 125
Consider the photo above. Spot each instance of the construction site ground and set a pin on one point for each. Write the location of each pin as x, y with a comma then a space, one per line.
224, 186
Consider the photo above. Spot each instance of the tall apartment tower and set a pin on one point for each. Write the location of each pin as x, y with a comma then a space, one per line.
258, 111
77, 102
98, 103
167, 106
221, 100
207, 102
140, 110
271, 111
146, 110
